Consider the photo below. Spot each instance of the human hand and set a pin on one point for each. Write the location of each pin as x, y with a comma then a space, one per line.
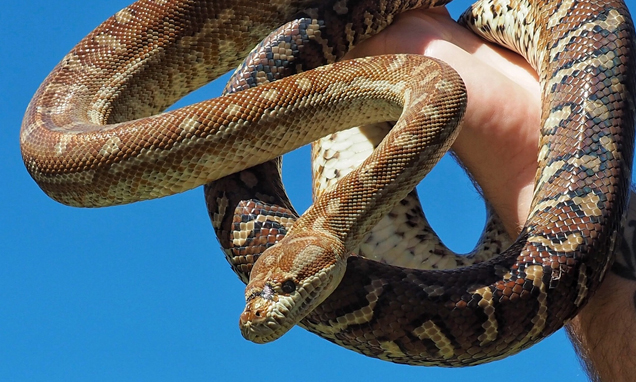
499, 137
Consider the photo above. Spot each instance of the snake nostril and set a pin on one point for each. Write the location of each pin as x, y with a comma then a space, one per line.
248, 316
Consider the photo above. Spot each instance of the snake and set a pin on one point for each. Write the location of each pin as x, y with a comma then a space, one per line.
95, 135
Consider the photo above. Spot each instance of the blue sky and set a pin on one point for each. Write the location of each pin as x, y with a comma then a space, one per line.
142, 292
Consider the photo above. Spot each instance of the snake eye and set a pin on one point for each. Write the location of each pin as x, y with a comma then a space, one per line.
288, 286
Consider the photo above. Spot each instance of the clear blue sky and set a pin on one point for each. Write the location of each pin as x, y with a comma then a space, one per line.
142, 292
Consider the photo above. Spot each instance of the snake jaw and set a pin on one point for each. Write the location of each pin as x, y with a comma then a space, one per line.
264, 317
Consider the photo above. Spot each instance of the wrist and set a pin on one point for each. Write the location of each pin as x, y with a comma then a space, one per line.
604, 332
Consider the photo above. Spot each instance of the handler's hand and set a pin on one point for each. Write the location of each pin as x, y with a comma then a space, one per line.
499, 138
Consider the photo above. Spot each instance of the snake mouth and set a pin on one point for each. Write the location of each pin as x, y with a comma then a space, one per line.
265, 320
268, 315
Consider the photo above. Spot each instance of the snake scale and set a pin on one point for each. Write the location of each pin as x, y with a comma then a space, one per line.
92, 137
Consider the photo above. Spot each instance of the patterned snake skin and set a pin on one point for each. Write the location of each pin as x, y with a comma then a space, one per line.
92, 137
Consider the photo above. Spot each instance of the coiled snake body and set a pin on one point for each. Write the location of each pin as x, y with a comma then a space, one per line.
91, 137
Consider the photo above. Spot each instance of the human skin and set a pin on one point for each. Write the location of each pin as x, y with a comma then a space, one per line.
498, 146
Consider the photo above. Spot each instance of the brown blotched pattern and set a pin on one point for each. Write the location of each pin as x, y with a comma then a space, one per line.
92, 137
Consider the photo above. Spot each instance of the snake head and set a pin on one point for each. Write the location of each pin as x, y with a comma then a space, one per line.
288, 281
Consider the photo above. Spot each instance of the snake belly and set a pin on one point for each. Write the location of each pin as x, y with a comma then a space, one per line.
92, 136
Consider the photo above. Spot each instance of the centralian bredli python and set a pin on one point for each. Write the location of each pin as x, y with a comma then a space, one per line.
92, 137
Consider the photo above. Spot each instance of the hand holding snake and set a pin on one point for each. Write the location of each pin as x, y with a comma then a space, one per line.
582, 186
499, 136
